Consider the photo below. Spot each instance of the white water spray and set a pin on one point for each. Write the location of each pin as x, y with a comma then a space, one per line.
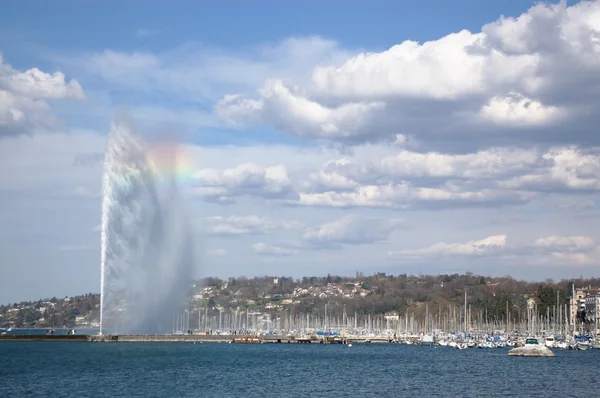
147, 256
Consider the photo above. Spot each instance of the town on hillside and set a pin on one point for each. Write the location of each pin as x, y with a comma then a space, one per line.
281, 302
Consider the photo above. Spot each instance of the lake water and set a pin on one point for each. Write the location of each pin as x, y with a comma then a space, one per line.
54, 369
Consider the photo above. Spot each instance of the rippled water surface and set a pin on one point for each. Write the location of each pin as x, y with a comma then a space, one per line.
54, 369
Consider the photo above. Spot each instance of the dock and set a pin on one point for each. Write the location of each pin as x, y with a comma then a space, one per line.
196, 338
42, 337
234, 339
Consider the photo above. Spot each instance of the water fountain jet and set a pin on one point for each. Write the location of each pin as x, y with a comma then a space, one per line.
146, 245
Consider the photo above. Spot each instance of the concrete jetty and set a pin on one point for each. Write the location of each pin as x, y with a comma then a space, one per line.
198, 338
42, 337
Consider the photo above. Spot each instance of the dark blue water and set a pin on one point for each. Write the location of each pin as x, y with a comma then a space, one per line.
54, 369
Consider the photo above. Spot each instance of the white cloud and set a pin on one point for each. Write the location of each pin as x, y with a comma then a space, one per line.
299, 115
406, 165
34, 83
324, 181
242, 225
470, 248
20, 111
552, 250
568, 167
23, 94
512, 82
351, 229
567, 250
491, 177
442, 69
405, 196
39, 169
518, 110
265, 249
577, 242
475, 121
223, 186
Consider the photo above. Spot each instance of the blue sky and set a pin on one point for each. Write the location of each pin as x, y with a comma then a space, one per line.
317, 137
238, 24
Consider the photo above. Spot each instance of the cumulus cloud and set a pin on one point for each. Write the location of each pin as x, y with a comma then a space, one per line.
407, 180
483, 246
413, 180
405, 196
351, 230
265, 249
560, 250
222, 186
492, 177
550, 250
520, 80
408, 165
567, 168
517, 110
577, 242
503, 116
245, 225
23, 98
299, 115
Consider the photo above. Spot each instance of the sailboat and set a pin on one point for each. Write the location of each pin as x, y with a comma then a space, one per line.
426, 339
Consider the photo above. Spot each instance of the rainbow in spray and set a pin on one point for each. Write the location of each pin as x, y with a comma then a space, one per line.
147, 255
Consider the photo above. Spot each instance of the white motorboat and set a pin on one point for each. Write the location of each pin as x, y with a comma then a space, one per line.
427, 339
582, 345
532, 348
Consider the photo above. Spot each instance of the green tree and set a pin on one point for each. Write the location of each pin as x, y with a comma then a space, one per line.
546, 297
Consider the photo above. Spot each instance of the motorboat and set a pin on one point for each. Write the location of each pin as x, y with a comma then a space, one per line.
532, 348
427, 339
582, 345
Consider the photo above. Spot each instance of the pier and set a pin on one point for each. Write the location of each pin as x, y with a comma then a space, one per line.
43, 337
236, 339
196, 338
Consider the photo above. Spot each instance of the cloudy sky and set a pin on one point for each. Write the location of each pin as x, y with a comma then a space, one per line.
315, 138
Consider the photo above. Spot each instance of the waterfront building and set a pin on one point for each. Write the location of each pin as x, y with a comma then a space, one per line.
581, 303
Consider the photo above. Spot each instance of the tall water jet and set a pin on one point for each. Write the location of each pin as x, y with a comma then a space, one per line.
147, 253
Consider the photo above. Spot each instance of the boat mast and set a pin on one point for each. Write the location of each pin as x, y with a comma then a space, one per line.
573, 302
596, 316
465, 312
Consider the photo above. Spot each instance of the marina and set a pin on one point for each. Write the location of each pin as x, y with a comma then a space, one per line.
453, 341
